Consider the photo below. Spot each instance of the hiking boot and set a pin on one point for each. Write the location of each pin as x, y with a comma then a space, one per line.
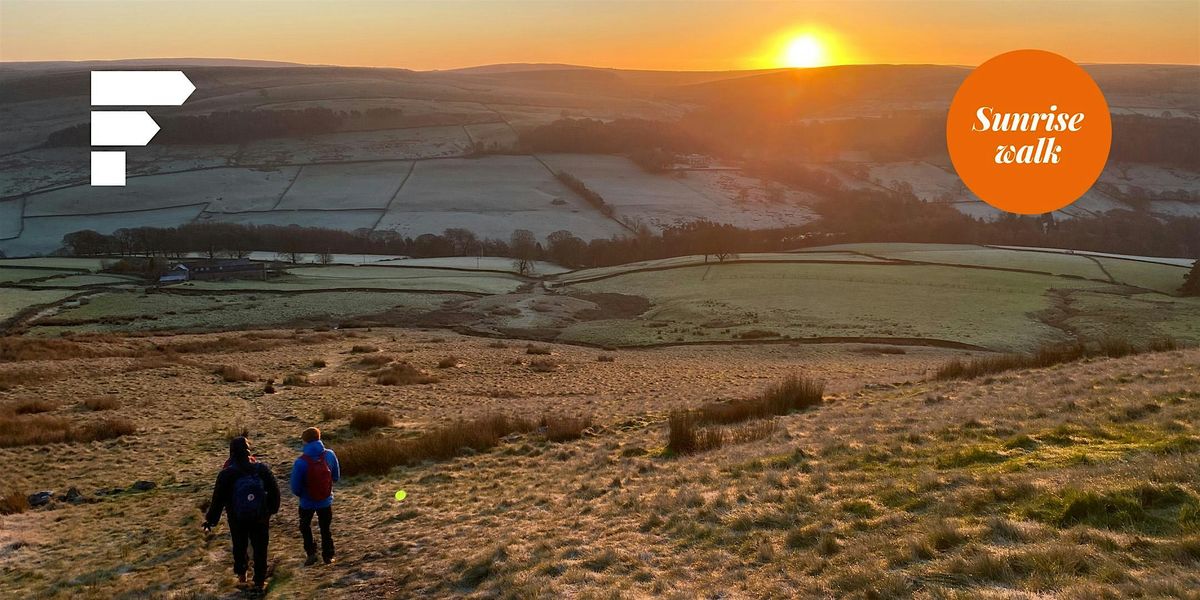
329, 560
311, 560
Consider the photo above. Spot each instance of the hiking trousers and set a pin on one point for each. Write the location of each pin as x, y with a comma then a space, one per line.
324, 519
257, 534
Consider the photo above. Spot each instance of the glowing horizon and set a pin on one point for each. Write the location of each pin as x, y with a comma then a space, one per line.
709, 36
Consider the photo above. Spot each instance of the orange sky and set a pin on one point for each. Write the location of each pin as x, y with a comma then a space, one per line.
617, 33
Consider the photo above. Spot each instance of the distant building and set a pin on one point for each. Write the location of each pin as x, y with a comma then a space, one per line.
238, 268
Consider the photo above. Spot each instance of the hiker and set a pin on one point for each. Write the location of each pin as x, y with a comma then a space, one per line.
313, 476
248, 493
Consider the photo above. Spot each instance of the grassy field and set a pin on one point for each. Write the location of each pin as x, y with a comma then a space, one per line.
1078, 481
13, 301
720, 302
129, 311
991, 308
371, 277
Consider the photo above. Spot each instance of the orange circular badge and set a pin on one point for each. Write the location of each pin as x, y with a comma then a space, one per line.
1029, 132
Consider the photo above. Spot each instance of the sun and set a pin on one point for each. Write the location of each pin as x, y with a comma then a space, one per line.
804, 51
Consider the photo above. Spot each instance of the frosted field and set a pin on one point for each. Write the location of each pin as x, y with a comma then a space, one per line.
22, 275
491, 196
486, 263
221, 190
500, 134
43, 168
56, 263
929, 182
303, 279
1150, 177
137, 312
43, 235
1178, 262
356, 185
389, 144
13, 301
976, 306
10, 218
346, 220
663, 200
685, 261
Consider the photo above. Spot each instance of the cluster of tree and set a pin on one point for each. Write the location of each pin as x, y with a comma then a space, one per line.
588, 194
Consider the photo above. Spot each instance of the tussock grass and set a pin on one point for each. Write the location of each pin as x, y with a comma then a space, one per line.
448, 362
319, 363
537, 349
99, 403
562, 428
296, 379
543, 365
376, 360
691, 431
330, 412
13, 502
402, 373
31, 407
366, 419
363, 349
606, 358
378, 455
1048, 356
27, 430
793, 393
232, 373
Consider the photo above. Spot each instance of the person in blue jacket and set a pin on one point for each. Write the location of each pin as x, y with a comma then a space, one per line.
313, 476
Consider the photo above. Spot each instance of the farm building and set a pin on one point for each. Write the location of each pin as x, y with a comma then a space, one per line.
240, 268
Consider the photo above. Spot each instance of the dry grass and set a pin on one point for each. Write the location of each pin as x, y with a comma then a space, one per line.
319, 363
543, 365
402, 373
1073, 482
330, 412
363, 349
28, 430
562, 428
13, 502
377, 360
448, 362
99, 403
31, 407
296, 380
366, 419
537, 349
232, 373
1048, 356
606, 358
378, 455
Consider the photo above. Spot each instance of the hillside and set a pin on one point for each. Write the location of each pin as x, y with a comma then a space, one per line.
1075, 481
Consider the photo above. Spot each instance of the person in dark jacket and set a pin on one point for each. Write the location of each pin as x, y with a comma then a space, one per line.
247, 492
313, 476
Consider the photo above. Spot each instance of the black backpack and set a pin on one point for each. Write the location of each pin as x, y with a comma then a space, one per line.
249, 496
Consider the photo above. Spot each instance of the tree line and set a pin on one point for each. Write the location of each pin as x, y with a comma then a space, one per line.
848, 216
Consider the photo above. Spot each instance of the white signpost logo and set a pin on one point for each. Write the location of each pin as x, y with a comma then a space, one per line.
129, 127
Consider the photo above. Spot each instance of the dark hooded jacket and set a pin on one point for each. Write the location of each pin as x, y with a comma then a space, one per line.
240, 463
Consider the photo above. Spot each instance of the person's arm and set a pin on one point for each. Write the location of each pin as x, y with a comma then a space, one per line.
272, 487
296, 481
334, 467
217, 505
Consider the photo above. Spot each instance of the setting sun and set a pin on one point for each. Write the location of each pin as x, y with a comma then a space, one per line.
805, 51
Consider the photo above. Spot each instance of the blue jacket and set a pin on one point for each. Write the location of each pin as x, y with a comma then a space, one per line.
314, 449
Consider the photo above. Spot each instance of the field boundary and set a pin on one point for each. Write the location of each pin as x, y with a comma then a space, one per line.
412, 166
